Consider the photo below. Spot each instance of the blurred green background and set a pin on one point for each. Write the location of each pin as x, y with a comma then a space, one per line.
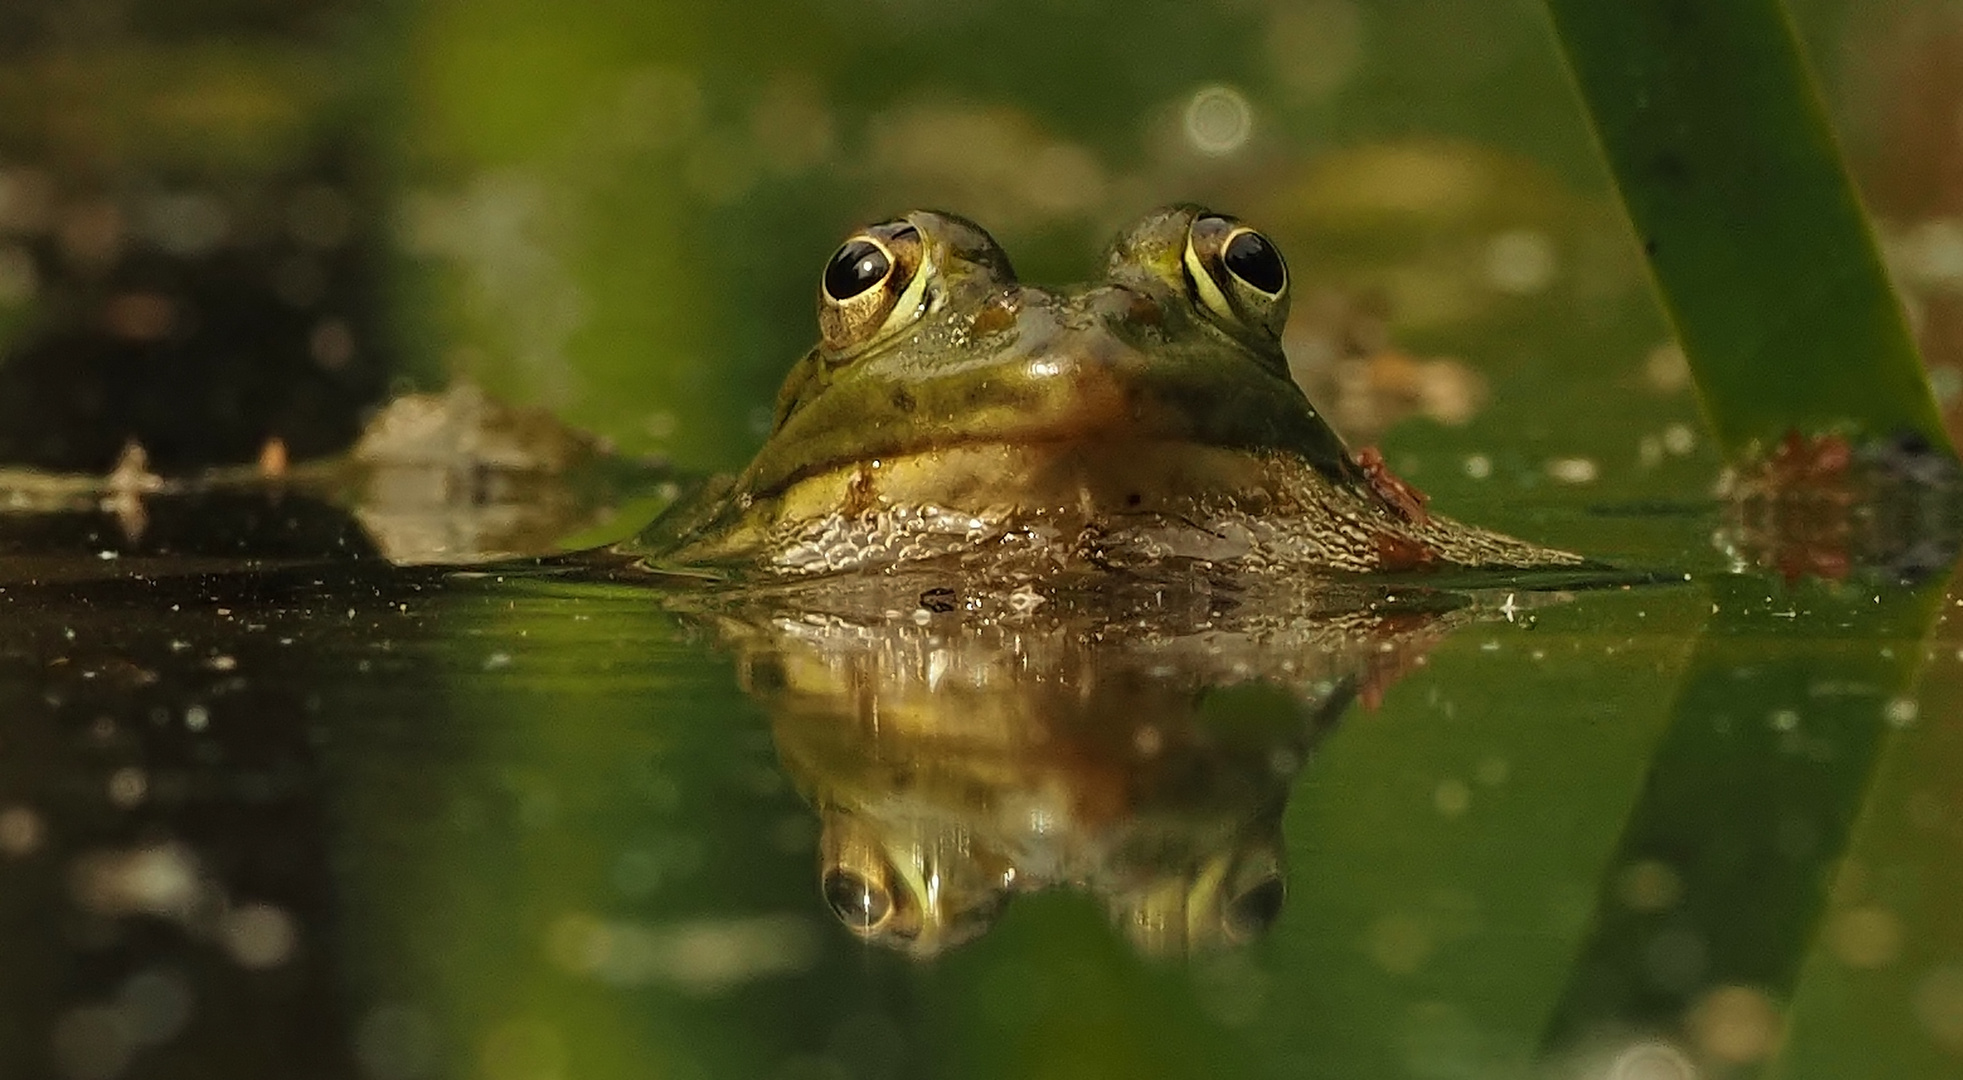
618, 210
226, 221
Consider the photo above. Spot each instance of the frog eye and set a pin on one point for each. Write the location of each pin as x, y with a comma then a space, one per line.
1255, 262
862, 904
859, 265
1254, 889
1248, 914
872, 286
1237, 275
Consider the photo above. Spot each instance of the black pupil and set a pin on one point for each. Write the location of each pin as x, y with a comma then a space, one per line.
858, 266
856, 901
1255, 261
1256, 909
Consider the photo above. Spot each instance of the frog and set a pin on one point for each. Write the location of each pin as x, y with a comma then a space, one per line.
952, 415
1135, 745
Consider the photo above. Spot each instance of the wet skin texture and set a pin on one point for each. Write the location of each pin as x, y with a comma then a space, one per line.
951, 413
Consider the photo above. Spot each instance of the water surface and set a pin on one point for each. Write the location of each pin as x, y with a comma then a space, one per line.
318, 815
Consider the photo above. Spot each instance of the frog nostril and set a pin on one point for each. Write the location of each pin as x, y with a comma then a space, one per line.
995, 316
1144, 310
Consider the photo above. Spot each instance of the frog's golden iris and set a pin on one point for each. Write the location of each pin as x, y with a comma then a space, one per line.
951, 414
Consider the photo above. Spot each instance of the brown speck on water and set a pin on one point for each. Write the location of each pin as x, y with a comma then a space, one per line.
132, 473
272, 458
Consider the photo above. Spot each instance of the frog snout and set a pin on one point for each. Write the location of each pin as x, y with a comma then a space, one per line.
1121, 307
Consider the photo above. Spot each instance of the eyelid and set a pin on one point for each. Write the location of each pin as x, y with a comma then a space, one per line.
910, 303
1200, 278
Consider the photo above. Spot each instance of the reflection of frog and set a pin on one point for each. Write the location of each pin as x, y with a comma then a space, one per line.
1137, 742
952, 413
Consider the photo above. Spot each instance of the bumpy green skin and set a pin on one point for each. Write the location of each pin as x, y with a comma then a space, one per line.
1108, 425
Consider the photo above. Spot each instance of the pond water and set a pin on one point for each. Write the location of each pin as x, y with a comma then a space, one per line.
298, 811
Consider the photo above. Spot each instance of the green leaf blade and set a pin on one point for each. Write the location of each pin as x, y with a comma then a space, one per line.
1760, 250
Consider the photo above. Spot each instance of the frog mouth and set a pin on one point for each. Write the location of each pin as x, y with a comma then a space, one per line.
1100, 422
1088, 478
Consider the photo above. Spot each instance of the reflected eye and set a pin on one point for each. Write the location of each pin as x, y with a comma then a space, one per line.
874, 284
1237, 276
858, 266
1252, 259
1249, 915
861, 904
